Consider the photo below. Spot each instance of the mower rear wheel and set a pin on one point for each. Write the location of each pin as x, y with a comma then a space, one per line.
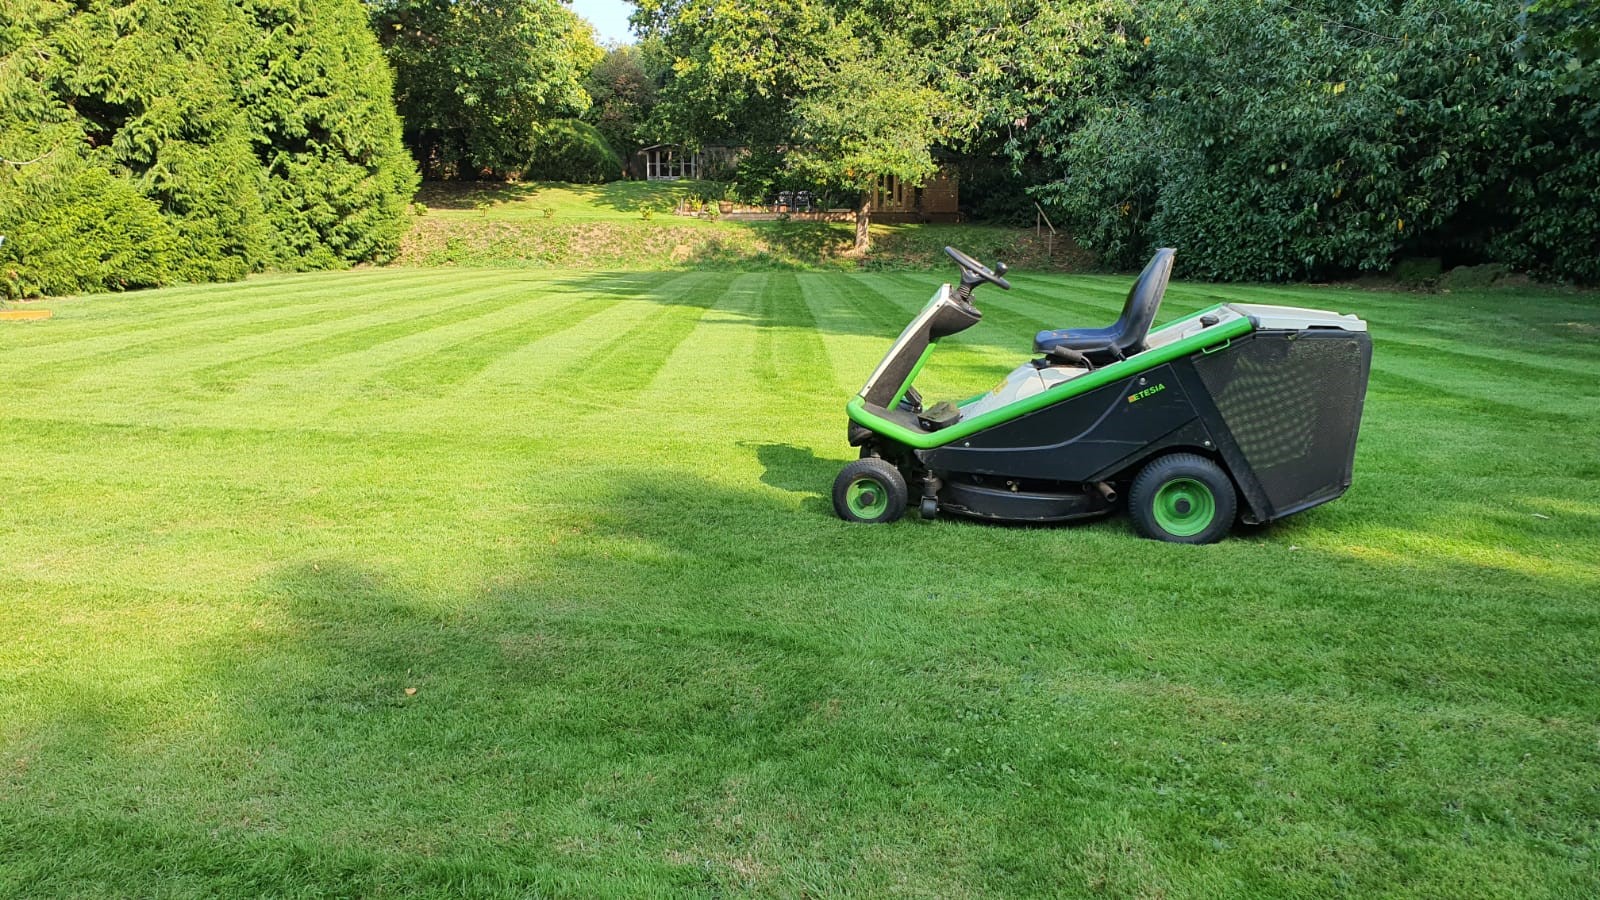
1183, 498
869, 490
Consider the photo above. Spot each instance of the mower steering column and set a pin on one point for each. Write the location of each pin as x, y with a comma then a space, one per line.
974, 273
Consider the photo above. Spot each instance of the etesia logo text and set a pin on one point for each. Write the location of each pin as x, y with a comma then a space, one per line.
1135, 398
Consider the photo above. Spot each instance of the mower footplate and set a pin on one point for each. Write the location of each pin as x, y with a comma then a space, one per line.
1005, 505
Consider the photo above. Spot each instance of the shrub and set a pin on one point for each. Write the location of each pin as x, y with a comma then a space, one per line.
262, 131
152, 91
759, 174
1465, 278
570, 150
1271, 141
1419, 272
326, 133
82, 231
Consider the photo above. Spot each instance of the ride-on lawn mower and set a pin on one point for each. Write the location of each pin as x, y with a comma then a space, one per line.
1237, 411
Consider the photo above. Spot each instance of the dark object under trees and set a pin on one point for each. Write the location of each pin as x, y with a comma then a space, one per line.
574, 151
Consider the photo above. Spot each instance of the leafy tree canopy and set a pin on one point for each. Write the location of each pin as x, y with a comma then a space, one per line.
622, 92
855, 91
476, 78
846, 98
1274, 140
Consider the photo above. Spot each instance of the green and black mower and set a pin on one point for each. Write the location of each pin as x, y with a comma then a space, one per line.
1236, 412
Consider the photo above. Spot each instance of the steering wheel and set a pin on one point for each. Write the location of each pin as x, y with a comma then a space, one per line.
977, 271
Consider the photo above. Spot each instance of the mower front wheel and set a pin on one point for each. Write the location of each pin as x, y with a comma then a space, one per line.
1183, 498
869, 490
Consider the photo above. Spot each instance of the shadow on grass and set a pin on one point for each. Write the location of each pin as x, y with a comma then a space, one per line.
798, 470
683, 687
794, 469
460, 195
633, 196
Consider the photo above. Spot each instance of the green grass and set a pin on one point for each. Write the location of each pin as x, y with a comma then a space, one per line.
584, 517
618, 201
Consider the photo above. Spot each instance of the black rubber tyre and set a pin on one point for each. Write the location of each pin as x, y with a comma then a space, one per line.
1184, 499
869, 490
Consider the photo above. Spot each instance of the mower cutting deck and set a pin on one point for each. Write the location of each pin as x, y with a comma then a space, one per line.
1238, 411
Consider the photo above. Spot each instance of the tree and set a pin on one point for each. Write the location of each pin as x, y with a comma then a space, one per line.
1275, 140
324, 129
152, 140
622, 95
477, 77
831, 84
864, 114
142, 90
1555, 147
852, 91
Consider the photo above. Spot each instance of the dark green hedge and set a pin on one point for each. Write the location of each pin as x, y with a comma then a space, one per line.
262, 132
1270, 140
571, 150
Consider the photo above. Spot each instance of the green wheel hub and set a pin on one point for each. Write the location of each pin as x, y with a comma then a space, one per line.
867, 498
1184, 507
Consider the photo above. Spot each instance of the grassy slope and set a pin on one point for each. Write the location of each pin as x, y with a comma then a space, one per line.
564, 226
619, 201
584, 517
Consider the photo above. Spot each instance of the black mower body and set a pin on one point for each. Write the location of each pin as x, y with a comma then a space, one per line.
1280, 410
1272, 396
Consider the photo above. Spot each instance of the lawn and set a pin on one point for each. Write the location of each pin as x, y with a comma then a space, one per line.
618, 201
484, 582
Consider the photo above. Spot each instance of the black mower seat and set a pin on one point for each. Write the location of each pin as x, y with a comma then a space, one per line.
1103, 346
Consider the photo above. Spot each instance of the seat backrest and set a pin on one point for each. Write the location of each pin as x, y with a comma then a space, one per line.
1144, 298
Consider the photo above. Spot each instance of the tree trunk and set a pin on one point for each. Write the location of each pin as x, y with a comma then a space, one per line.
863, 236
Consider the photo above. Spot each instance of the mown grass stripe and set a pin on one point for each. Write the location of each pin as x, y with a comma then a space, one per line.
963, 363
857, 334
451, 364
1047, 306
1005, 310
352, 371
1500, 363
222, 329
638, 355
724, 340
559, 379
1429, 387
794, 351
322, 343
136, 313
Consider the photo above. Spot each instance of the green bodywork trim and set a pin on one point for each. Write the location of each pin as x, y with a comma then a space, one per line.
1083, 384
921, 361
